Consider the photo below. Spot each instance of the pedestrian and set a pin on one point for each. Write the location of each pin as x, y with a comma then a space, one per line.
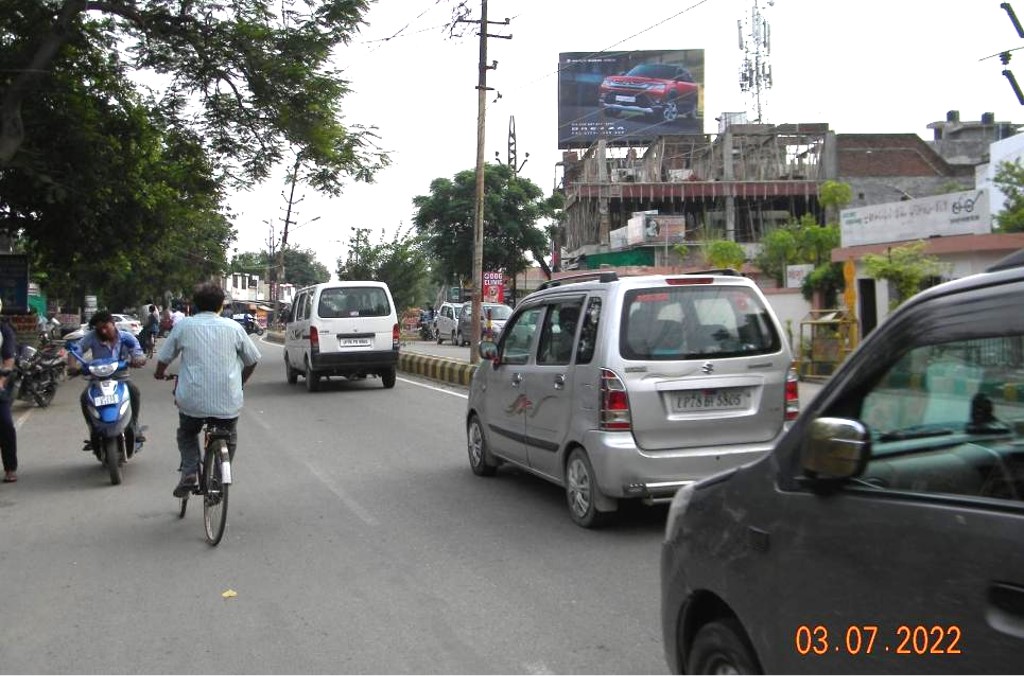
8, 433
176, 316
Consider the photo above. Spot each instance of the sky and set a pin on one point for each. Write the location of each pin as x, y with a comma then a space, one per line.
873, 66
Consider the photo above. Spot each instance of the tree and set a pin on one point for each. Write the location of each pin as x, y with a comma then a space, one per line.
725, 253
906, 267
249, 79
1010, 180
301, 267
401, 263
512, 207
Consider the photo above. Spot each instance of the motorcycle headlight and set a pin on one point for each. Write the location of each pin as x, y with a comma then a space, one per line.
103, 370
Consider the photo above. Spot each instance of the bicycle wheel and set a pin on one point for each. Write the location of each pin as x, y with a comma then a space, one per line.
215, 501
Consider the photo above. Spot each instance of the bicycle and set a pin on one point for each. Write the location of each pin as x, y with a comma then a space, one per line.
214, 478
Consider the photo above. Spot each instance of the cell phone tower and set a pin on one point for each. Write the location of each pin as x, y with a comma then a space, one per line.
755, 36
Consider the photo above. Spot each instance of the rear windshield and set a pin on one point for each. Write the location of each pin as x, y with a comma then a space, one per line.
497, 311
353, 301
691, 322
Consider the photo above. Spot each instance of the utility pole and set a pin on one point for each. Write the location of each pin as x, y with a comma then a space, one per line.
284, 241
478, 209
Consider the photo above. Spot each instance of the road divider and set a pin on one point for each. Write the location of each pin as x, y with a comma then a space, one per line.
442, 369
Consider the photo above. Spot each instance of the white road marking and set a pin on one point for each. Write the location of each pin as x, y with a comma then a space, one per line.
436, 389
22, 418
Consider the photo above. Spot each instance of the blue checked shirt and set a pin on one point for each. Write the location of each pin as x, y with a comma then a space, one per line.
213, 351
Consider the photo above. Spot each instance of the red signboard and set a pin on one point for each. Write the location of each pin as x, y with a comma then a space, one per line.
494, 287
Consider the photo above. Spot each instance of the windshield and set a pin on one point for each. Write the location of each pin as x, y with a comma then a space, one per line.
498, 311
653, 70
353, 301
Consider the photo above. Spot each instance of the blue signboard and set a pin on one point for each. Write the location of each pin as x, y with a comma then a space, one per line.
14, 282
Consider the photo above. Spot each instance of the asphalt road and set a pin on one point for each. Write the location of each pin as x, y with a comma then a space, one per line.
358, 541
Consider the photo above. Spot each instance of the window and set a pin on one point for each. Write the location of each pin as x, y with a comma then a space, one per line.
588, 332
949, 418
516, 341
353, 301
559, 333
688, 322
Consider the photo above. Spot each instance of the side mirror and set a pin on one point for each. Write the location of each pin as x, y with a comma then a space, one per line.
835, 448
488, 350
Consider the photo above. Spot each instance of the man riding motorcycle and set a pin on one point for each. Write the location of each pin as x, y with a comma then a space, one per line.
105, 340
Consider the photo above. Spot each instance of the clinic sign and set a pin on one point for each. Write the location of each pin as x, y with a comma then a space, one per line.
958, 213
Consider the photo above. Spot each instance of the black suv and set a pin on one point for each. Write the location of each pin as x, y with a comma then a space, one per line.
885, 532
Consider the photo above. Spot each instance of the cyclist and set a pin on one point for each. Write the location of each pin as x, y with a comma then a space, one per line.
217, 359
151, 329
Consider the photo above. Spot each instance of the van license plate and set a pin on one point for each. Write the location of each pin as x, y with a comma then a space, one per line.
104, 400
355, 342
713, 400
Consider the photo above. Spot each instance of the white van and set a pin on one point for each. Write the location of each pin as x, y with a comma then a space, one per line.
342, 329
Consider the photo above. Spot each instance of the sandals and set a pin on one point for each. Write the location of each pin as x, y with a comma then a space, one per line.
10, 477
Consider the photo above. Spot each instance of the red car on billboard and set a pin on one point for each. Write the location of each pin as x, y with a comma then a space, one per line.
660, 90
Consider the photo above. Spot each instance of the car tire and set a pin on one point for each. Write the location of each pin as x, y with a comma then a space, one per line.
581, 491
453, 338
438, 337
388, 377
722, 647
670, 111
312, 379
290, 374
480, 459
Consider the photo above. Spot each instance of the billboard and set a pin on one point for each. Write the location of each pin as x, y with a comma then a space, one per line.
957, 213
14, 282
629, 98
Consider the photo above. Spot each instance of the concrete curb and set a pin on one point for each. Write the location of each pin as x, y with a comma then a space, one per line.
441, 369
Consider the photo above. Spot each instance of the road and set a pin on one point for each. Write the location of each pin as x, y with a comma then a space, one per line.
358, 541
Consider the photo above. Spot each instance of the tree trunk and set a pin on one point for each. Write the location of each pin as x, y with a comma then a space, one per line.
12, 128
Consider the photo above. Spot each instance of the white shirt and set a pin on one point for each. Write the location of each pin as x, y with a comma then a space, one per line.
176, 317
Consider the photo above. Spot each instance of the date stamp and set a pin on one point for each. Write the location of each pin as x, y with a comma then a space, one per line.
868, 639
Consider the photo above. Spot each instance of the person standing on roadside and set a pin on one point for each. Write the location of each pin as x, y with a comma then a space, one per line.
8, 433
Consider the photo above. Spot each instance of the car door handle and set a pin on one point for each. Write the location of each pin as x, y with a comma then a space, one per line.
516, 379
1005, 609
560, 381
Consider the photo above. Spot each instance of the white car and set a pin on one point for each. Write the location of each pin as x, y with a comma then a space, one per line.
128, 323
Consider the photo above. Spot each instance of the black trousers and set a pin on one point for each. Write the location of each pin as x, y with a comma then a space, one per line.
8, 437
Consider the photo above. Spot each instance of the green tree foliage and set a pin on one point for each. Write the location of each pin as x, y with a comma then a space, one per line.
1010, 179
257, 72
301, 267
401, 263
512, 208
725, 253
906, 267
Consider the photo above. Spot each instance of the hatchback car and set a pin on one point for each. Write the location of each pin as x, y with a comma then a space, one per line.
630, 388
884, 533
446, 322
492, 320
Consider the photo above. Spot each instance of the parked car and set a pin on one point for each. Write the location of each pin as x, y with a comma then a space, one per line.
883, 534
661, 90
630, 388
496, 313
345, 329
128, 323
446, 322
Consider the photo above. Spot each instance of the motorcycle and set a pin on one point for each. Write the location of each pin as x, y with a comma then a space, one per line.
54, 356
250, 325
108, 402
34, 379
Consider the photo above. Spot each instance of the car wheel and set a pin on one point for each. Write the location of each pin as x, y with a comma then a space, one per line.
312, 379
671, 111
388, 378
480, 459
721, 647
453, 338
581, 491
290, 374
438, 337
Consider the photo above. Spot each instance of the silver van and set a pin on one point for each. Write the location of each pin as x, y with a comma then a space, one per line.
342, 329
632, 388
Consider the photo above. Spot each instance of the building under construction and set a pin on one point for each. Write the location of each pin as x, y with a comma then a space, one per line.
736, 185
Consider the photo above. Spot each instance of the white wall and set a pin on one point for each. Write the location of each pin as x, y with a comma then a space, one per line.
1007, 150
789, 306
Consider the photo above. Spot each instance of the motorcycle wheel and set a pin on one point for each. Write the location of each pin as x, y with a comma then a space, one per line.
44, 394
112, 459
259, 330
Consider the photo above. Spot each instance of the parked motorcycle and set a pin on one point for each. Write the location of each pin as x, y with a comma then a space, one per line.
54, 356
34, 379
111, 436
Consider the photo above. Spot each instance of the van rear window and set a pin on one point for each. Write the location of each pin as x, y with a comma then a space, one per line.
695, 323
353, 301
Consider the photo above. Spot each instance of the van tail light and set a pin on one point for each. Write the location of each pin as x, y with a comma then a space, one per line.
314, 339
615, 413
396, 336
792, 395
